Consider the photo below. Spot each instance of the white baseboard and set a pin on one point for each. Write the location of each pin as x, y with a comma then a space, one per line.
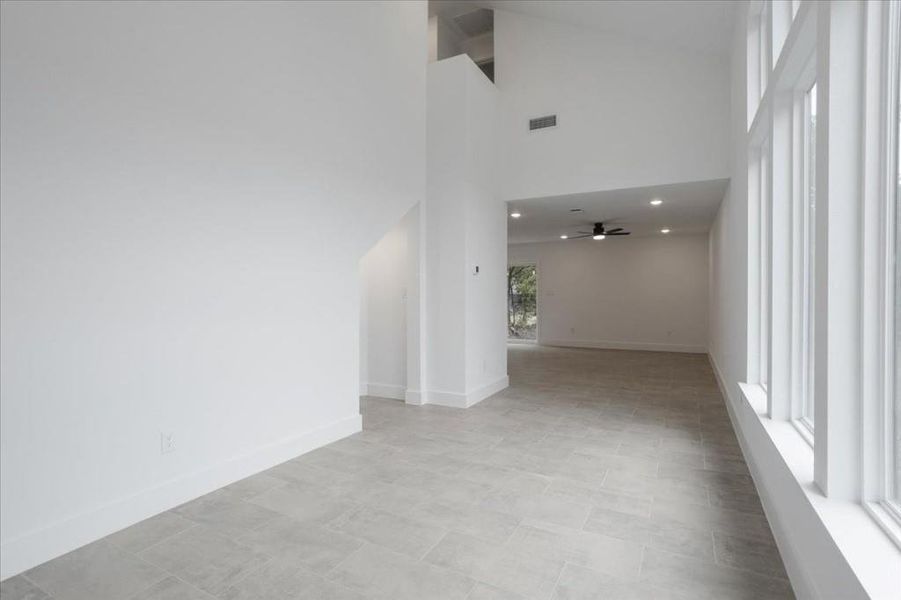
459, 400
414, 397
614, 345
451, 399
37, 546
477, 395
385, 390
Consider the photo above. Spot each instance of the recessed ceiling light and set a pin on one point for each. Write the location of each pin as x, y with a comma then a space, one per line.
656, 202
516, 215
563, 237
666, 230
598, 237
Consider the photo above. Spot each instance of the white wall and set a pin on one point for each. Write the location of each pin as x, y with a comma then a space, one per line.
187, 191
631, 293
629, 114
465, 227
383, 343
486, 244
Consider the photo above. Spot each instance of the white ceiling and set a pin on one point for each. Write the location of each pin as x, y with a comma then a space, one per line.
686, 208
699, 25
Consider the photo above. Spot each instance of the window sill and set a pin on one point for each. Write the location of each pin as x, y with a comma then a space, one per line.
805, 430
861, 541
885, 518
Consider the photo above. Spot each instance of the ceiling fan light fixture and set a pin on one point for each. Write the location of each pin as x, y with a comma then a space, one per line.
598, 237
564, 237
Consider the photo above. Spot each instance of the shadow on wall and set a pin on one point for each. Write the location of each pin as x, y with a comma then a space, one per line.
462, 28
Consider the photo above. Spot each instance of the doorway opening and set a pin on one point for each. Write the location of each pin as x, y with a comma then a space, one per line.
522, 303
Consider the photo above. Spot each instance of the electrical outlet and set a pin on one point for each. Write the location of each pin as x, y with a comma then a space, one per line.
167, 442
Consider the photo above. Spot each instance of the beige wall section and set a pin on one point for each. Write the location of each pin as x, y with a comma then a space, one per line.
638, 293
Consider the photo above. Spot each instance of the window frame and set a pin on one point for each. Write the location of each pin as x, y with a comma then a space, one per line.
802, 412
892, 200
882, 229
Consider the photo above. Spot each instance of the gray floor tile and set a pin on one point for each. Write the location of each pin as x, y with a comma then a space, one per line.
275, 580
508, 567
380, 494
750, 554
401, 534
312, 546
483, 591
490, 525
172, 589
150, 531
580, 583
304, 503
611, 555
386, 574
702, 579
327, 590
539, 507
98, 570
597, 496
205, 559
225, 513
19, 588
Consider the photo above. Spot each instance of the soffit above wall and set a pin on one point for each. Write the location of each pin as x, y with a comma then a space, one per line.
696, 25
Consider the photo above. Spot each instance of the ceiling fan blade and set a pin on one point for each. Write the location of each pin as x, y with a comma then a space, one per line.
619, 233
585, 232
613, 231
575, 237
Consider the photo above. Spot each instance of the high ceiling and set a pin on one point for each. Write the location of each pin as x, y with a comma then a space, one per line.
699, 25
685, 208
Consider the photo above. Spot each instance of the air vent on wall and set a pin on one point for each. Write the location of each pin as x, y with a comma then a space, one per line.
543, 122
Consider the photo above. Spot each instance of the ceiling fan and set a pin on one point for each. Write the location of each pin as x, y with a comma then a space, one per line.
599, 232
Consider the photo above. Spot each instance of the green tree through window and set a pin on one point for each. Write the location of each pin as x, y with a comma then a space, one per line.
522, 317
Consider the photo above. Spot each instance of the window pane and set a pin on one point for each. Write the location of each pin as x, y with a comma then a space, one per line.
897, 286
763, 47
764, 265
809, 216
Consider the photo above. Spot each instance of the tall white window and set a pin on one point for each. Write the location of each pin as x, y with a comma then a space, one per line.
808, 241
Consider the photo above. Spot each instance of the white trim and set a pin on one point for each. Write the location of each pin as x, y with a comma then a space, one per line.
615, 345
415, 397
831, 548
450, 399
385, 390
477, 395
474, 396
40, 545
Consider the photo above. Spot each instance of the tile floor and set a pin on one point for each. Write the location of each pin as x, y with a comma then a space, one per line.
597, 474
